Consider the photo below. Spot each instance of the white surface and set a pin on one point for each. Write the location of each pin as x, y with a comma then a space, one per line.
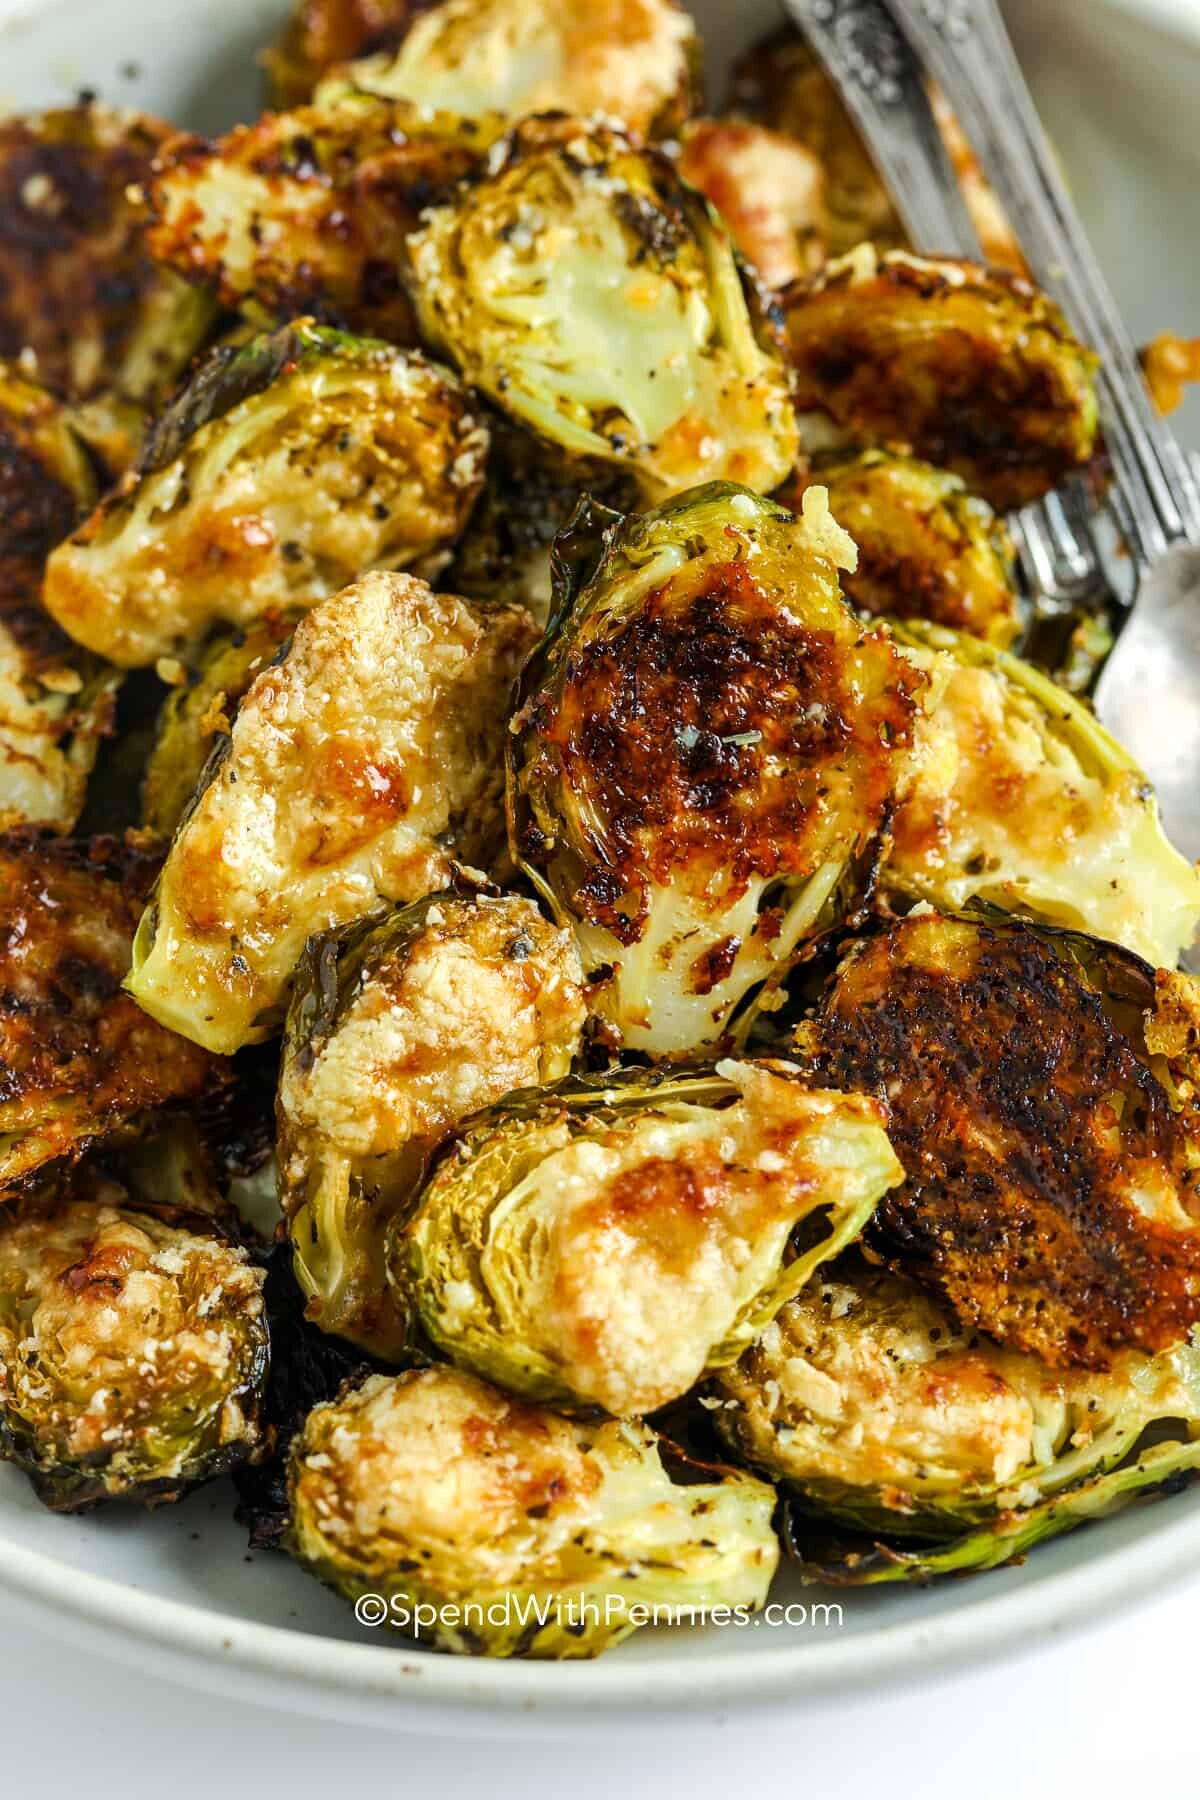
1004, 1730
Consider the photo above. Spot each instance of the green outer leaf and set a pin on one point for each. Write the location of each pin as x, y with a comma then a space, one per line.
1005, 1539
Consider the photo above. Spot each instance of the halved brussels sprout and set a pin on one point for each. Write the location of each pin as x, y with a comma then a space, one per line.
781, 83
308, 211
973, 369
1049, 1132
927, 549
769, 190
494, 1528
635, 61
1020, 797
133, 1354
398, 1030
286, 469
198, 713
322, 33
360, 768
603, 1244
54, 703
78, 291
1158, 1470
595, 297
707, 745
878, 1409
78, 1056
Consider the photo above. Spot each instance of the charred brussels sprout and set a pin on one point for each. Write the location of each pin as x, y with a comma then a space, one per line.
927, 549
1048, 1128
605, 1244
133, 1354
768, 189
973, 369
322, 33
707, 745
285, 470
1021, 798
595, 297
360, 767
515, 1531
878, 1409
78, 290
55, 704
635, 61
78, 1056
307, 212
198, 714
397, 1031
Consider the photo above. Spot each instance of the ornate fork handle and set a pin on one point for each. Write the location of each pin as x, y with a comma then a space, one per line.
965, 46
881, 82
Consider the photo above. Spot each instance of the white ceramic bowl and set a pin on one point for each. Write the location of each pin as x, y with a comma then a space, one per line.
176, 1591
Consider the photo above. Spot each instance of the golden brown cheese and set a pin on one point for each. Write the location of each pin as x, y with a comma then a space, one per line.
769, 190
1052, 1189
132, 1353
308, 211
77, 1056
358, 767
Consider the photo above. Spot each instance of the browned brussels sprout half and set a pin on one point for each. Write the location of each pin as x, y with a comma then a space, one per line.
636, 61
596, 298
133, 1353
307, 212
971, 368
78, 290
55, 703
1020, 798
604, 1242
79, 1057
927, 549
286, 469
399, 1029
868, 1399
360, 769
1049, 1133
707, 745
198, 714
494, 1528
768, 189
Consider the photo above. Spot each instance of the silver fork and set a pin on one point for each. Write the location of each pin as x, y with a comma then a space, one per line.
882, 83
1149, 693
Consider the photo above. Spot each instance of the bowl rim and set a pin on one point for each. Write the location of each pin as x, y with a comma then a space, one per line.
1179, 19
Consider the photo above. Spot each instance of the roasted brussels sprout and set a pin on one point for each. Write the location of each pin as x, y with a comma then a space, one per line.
595, 297
78, 1057
398, 1030
322, 33
358, 767
1007, 1538
198, 713
54, 703
973, 369
604, 1244
495, 1528
636, 61
78, 291
1048, 1131
872, 1403
307, 212
781, 84
133, 1353
1019, 797
707, 745
285, 470
927, 549
769, 190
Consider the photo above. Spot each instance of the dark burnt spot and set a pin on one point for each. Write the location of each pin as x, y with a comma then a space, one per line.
1025, 1120
659, 229
714, 966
